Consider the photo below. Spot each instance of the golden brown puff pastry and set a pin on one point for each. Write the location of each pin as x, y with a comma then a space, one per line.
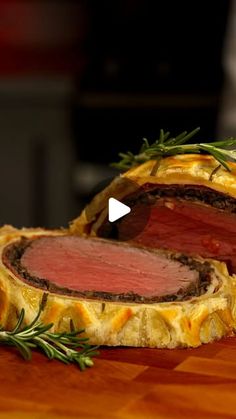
163, 325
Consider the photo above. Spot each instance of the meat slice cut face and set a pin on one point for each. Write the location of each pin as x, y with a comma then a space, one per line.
96, 268
190, 219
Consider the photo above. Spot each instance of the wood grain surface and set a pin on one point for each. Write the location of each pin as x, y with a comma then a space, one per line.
124, 383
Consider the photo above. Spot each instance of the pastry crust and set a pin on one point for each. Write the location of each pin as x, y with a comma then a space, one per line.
187, 169
163, 325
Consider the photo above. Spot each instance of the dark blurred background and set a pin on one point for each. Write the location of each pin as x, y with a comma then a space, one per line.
81, 81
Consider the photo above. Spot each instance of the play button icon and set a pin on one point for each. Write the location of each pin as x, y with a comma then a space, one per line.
126, 210
116, 210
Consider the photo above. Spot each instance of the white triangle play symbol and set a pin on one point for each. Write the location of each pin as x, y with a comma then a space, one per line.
116, 209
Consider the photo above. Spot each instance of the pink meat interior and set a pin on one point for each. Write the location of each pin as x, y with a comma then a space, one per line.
192, 228
81, 264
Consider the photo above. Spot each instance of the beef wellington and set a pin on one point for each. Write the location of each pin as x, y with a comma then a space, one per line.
121, 294
167, 287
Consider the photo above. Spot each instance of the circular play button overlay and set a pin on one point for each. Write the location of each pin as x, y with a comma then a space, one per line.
116, 210
128, 211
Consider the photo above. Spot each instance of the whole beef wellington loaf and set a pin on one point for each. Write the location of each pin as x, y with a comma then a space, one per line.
192, 202
121, 294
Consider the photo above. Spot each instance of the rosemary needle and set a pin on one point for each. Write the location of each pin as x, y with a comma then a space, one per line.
62, 346
170, 146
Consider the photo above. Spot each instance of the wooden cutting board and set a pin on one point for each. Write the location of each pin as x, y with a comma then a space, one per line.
124, 383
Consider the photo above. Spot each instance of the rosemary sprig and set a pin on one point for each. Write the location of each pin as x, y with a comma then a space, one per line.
170, 146
61, 346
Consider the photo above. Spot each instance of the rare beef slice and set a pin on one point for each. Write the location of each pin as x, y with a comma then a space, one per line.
115, 272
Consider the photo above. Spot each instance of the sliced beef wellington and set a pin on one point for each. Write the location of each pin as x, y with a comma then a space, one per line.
192, 208
120, 294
